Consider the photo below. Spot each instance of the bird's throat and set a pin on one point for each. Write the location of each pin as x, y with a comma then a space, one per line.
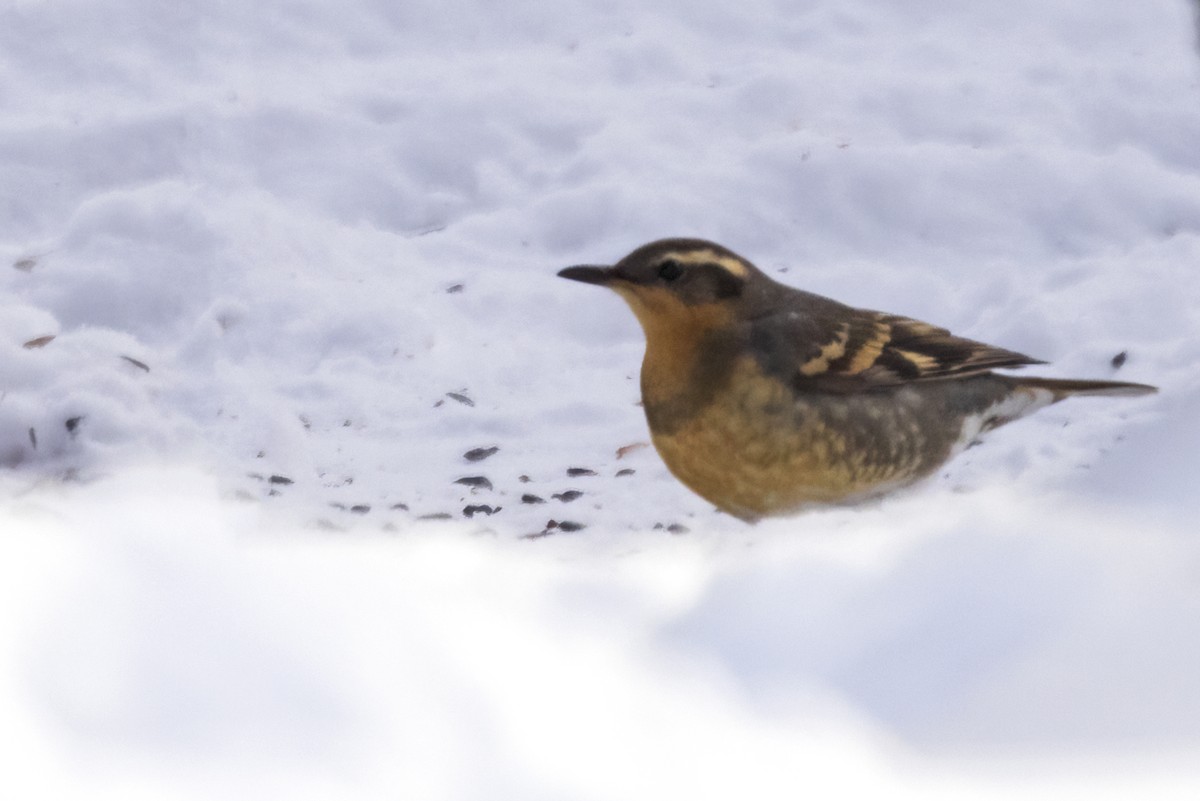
682, 372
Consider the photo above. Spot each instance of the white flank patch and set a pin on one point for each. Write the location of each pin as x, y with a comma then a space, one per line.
1021, 403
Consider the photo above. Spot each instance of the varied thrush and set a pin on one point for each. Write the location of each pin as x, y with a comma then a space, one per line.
764, 399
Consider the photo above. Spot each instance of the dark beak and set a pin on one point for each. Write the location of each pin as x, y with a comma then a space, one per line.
589, 274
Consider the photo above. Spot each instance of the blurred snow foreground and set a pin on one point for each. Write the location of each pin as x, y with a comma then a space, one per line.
315, 482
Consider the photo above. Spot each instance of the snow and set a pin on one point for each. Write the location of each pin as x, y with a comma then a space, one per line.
268, 271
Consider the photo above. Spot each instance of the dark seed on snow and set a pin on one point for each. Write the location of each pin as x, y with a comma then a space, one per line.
280, 480
72, 423
437, 516
483, 508
531, 498
568, 496
138, 364
360, 508
461, 398
1119, 359
628, 471
479, 454
677, 528
569, 525
474, 482
576, 472
39, 342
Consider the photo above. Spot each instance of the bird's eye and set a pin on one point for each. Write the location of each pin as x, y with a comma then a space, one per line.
669, 270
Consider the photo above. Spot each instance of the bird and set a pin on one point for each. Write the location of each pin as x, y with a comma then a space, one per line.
766, 400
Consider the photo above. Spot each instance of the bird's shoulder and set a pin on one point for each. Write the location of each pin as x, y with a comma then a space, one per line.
818, 344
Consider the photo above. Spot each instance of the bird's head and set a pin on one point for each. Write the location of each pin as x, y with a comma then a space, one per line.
677, 283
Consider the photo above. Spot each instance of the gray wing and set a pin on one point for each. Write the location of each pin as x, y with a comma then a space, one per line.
841, 349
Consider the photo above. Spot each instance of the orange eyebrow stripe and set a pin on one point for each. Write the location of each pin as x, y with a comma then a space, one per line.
730, 264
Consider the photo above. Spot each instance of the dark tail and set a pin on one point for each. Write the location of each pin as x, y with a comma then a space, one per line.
1066, 387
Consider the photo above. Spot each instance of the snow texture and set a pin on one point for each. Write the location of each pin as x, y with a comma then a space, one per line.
276, 276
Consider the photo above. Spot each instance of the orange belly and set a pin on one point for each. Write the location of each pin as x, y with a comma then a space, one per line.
760, 449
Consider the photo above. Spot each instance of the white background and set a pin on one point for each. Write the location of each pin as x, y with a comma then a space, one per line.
269, 238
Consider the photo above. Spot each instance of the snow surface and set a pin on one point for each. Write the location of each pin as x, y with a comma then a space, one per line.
317, 242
